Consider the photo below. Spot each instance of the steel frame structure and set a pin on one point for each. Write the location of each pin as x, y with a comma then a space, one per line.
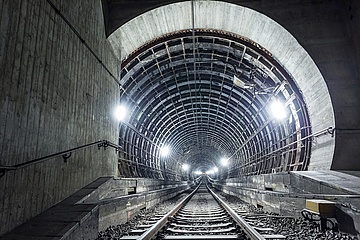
181, 92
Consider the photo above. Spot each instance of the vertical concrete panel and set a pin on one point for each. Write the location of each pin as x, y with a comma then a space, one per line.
54, 96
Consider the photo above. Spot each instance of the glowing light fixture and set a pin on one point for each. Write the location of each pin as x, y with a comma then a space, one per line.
197, 173
215, 169
164, 151
185, 167
224, 161
120, 113
278, 110
210, 172
238, 82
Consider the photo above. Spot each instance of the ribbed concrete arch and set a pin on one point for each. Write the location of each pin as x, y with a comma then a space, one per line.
256, 27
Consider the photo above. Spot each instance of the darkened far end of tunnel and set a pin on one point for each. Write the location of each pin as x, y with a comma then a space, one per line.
181, 92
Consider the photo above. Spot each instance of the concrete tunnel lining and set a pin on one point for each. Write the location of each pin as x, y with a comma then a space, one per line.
255, 26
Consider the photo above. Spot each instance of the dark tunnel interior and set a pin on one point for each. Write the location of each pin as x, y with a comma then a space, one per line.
210, 95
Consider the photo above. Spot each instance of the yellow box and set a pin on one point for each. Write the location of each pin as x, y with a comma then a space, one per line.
323, 207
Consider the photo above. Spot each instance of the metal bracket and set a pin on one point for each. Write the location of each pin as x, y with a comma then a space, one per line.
331, 130
66, 156
104, 144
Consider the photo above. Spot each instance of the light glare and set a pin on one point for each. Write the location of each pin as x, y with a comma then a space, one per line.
210, 172
120, 113
164, 151
224, 162
215, 169
185, 167
278, 110
197, 173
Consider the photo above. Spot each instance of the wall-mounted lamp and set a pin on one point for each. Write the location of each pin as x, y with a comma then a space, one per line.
224, 162
210, 172
238, 82
120, 113
164, 151
185, 167
278, 110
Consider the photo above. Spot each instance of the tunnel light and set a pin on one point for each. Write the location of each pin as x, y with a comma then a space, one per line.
238, 82
185, 167
197, 173
278, 110
164, 151
120, 113
210, 172
215, 169
224, 161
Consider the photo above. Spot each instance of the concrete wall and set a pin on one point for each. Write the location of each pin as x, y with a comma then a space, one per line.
286, 193
54, 95
117, 205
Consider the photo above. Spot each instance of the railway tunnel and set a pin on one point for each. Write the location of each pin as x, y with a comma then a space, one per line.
110, 107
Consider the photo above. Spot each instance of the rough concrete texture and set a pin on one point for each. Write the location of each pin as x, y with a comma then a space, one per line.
117, 187
288, 197
255, 26
117, 205
66, 220
82, 215
54, 95
121, 209
88, 228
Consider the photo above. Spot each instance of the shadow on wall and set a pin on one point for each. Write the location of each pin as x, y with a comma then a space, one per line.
346, 221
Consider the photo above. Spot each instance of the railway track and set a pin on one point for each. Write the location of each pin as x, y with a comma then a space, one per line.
201, 215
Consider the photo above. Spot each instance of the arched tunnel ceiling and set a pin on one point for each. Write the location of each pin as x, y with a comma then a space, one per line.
181, 92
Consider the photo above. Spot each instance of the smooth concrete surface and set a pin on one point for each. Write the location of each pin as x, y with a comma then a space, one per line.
322, 181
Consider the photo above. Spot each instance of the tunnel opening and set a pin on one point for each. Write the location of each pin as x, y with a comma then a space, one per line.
209, 94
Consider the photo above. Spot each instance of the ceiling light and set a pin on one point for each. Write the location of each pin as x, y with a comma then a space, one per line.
224, 161
278, 110
185, 167
164, 151
120, 113
210, 172
238, 82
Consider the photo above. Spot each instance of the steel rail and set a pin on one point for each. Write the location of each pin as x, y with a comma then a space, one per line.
151, 232
250, 231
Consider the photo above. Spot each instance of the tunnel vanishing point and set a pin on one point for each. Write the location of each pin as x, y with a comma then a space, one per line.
105, 102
